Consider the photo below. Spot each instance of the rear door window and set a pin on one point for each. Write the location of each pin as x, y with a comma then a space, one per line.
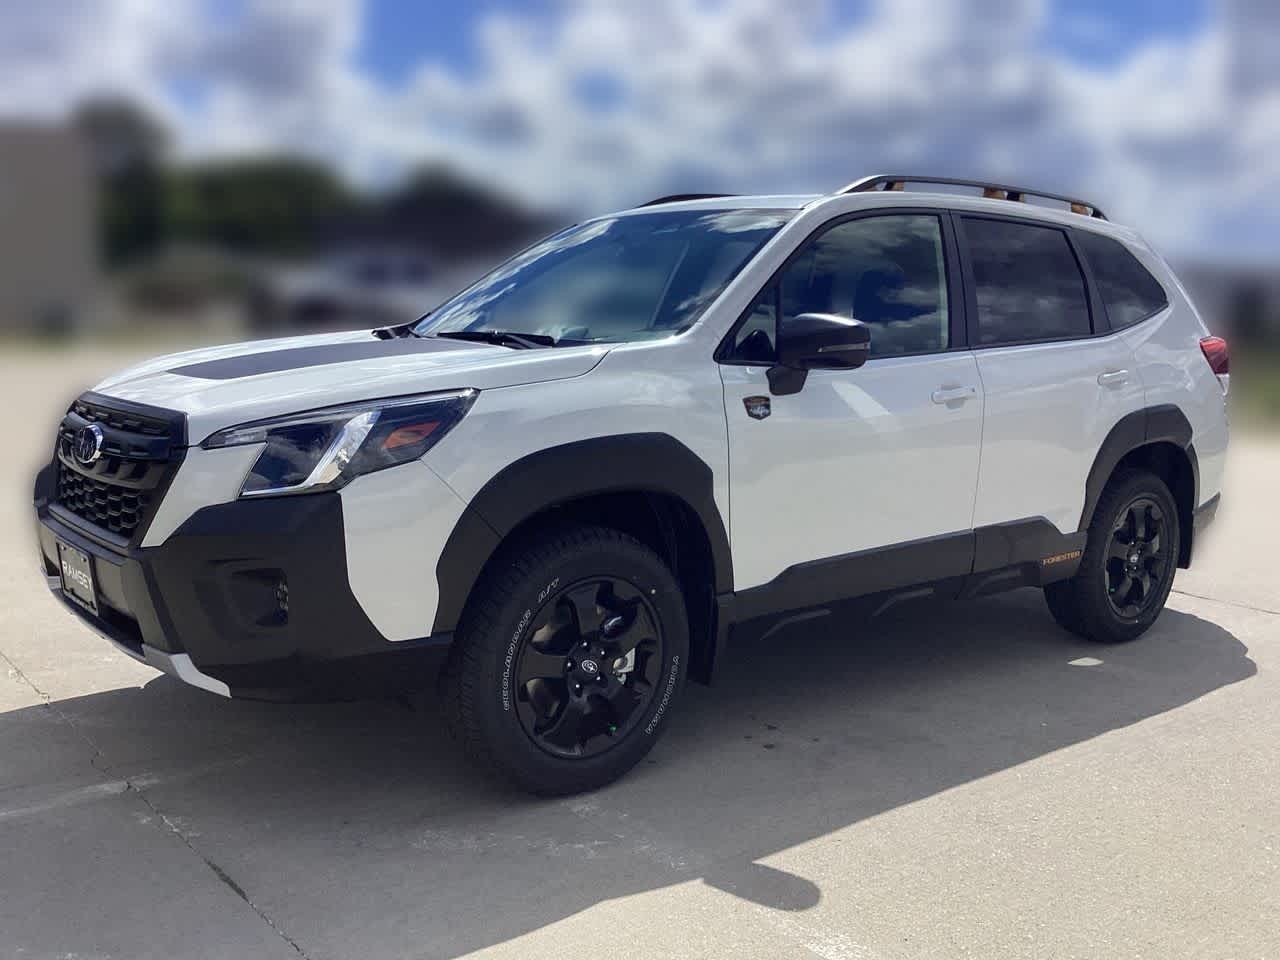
1027, 283
1129, 291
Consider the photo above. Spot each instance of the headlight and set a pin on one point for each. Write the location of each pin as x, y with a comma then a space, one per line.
325, 449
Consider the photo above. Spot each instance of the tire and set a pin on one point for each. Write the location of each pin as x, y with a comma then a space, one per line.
1113, 598
584, 718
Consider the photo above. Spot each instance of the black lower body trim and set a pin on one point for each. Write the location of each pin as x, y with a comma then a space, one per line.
858, 574
990, 559
403, 668
256, 594
1029, 552
1207, 512
1201, 519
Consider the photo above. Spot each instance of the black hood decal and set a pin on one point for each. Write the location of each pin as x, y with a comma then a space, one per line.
276, 361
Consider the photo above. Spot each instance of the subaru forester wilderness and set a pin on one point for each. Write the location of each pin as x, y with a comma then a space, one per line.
557, 494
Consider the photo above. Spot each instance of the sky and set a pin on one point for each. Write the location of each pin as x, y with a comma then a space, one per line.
1164, 112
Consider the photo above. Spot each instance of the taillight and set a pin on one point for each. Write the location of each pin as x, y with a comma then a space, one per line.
1215, 351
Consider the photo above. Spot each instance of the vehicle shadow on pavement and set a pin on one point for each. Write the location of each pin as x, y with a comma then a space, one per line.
359, 830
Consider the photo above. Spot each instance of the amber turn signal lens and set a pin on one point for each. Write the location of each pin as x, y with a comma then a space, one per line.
409, 433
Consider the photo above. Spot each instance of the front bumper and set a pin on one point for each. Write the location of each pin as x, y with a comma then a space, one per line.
245, 599
177, 665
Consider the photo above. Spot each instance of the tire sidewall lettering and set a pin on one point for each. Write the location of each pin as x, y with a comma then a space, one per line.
513, 647
511, 656
667, 693
508, 662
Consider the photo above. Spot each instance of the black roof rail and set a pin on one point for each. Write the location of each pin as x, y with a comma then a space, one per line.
992, 191
678, 197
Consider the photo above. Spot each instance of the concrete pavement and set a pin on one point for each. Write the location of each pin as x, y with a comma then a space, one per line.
946, 781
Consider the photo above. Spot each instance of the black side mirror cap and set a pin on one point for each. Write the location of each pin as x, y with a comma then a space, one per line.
817, 341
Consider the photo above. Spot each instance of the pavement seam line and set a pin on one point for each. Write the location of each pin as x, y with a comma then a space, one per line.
132, 787
53, 708
217, 871
1230, 603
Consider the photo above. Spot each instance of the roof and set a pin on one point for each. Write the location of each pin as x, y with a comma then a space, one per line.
1031, 208
731, 202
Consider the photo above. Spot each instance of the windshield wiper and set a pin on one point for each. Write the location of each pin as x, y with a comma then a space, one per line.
396, 332
504, 338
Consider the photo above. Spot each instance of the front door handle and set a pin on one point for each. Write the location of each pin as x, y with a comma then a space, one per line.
1113, 378
954, 394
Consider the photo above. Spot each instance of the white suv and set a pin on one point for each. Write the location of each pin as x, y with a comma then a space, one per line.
560, 491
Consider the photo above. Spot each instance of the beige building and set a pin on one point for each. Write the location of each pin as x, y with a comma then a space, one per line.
48, 262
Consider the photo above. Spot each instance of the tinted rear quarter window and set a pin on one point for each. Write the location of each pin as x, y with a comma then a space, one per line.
1027, 283
1129, 291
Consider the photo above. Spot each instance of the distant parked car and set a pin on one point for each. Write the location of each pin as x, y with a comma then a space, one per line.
374, 286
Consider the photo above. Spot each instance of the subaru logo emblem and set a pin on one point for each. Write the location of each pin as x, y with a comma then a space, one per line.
590, 668
87, 446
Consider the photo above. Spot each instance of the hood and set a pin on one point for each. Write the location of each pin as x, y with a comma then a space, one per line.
219, 387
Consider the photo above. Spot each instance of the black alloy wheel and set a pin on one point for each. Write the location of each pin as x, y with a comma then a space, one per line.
588, 668
1128, 564
1137, 558
569, 660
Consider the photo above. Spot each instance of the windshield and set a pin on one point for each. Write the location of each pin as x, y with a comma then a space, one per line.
627, 278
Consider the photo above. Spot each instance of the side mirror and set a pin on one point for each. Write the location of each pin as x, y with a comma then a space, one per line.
817, 341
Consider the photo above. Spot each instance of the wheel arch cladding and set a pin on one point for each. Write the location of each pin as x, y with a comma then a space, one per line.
606, 479
1157, 439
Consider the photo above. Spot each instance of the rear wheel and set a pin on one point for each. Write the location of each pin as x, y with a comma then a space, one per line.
568, 659
1128, 566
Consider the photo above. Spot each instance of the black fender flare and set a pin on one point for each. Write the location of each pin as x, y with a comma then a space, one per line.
630, 462
1164, 423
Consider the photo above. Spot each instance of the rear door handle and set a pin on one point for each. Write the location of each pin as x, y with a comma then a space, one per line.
954, 394
1113, 378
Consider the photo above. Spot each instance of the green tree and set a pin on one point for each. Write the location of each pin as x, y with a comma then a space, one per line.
260, 205
454, 216
1247, 311
127, 149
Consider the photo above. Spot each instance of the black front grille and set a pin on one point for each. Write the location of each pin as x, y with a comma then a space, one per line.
114, 508
119, 491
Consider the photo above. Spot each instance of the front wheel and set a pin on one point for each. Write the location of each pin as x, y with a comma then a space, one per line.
568, 659
1129, 562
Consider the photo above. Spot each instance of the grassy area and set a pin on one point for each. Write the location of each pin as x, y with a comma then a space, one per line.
1255, 385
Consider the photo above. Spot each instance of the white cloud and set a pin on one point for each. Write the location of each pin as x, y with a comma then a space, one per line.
611, 102
53, 54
